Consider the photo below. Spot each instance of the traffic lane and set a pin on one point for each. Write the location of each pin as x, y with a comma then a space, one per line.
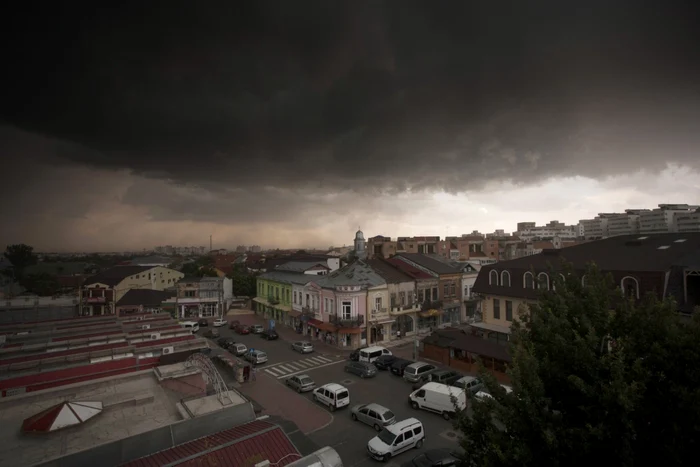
350, 438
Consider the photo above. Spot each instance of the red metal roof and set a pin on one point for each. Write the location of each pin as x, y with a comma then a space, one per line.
168, 340
61, 353
86, 336
408, 269
241, 446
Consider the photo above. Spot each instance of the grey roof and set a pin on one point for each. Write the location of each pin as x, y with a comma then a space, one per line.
289, 277
389, 272
199, 279
357, 273
145, 297
115, 275
428, 262
300, 266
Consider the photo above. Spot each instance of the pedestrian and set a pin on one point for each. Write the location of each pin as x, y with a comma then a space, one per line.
252, 370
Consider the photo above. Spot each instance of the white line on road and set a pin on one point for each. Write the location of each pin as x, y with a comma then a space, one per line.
295, 366
302, 364
320, 366
272, 372
286, 368
317, 361
324, 359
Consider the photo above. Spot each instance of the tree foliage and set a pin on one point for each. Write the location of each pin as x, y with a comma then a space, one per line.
42, 284
244, 282
595, 378
20, 256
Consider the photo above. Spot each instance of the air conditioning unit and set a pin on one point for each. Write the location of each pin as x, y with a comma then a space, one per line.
145, 326
168, 350
155, 336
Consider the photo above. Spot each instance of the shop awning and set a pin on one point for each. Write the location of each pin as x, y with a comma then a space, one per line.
492, 327
350, 330
260, 300
383, 321
321, 325
429, 313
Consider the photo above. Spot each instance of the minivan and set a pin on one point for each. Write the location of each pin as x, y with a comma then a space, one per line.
439, 398
361, 369
395, 439
370, 354
471, 384
190, 325
333, 395
238, 349
418, 371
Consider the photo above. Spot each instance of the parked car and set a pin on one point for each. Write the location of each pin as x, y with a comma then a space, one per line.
440, 376
370, 354
301, 383
212, 333
374, 415
226, 342
399, 366
485, 394
418, 371
397, 438
434, 458
203, 322
256, 328
269, 334
233, 324
471, 384
303, 347
439, 398
240, 329
333, 395
191, 326
256, 357
355, 355
361, 369
218, 322
384, 362
238, 349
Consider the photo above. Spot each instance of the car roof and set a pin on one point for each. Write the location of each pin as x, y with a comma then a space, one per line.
301, 376
417, 364
376, 407
398, 426
374, 348
333, 387
467, 378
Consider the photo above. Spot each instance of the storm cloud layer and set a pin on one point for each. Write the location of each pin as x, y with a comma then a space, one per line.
273, 105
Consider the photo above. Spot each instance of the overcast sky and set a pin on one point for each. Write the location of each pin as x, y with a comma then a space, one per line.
292, 123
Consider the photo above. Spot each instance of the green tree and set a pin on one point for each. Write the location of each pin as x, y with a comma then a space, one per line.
244, 282
42, 284
595, 378
21, 256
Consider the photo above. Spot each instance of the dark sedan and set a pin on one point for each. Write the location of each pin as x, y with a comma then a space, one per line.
399, 365
203, 323
383, 362
225, 342
433, 458
240, 329
269, 334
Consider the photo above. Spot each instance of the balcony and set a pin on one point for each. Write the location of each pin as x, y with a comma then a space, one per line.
273, 300
396, 309
309, 311
354, 322
431, 305
378, 312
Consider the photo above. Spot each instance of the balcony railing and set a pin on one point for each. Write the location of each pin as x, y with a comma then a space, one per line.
406, 307
354, 322
309, 311
273, 300
378, 312
431, 305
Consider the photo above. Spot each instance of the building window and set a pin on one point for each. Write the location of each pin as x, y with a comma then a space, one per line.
435, 294
325, 305
528, 281
630, 287
543, 281
295, 297
307, 300
452, 290
402, 298
467, 292
446, 290
509, 310
421, 297
493, 277
347, 310
505, 279
378, 304
332, 306
496, 308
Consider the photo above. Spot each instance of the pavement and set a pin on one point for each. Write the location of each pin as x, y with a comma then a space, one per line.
326, 365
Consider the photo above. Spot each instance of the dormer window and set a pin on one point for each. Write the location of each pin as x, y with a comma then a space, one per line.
543, 280
505, 279
493, 277
630, 287
528, 280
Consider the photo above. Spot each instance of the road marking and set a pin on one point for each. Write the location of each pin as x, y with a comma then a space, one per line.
286, 368
324, 359
302, 364
272, 372
294, 366
320, 366
317, 361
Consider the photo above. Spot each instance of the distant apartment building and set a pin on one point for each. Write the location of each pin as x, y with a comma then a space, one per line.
255, 249
241, 249
688, 222
663, 219
552, 229
201, 297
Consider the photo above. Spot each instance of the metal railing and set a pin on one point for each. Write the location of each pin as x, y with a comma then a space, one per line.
431, 305
378, 311
309, 311
354, 322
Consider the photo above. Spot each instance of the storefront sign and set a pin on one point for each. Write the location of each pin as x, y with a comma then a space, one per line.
95, 299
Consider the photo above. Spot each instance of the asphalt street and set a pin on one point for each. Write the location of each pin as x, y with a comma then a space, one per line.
349, 438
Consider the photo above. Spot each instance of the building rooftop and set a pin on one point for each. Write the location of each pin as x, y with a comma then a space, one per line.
432, 264
357, 273
115, 275
286, 277
145, 297
409, 269
300, 266
388, 271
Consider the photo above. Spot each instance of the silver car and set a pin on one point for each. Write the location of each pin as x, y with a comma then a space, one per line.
361, 369
301, 383
373, 415
256, 357
303, 347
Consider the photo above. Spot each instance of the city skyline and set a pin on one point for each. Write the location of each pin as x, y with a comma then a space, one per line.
286, 124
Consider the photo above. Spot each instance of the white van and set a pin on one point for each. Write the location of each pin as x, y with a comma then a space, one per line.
370, 354
395, 439
333, 395
438, 398
190, 325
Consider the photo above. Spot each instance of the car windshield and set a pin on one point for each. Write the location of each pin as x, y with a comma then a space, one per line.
388, 415
387, 437
411, 370
306, 380
261, 354
342, 395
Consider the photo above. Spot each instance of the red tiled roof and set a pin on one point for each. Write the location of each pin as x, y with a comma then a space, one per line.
408, 269
240, 446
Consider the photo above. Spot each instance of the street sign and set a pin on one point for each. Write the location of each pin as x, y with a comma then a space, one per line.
272, 324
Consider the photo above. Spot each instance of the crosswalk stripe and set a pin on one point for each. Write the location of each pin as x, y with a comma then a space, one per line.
324, 359
295, 366
286, 368
303, 364
271, 372
318, 360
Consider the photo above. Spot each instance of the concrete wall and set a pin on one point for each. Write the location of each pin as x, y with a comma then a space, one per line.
190, 385
443, 356
144, 444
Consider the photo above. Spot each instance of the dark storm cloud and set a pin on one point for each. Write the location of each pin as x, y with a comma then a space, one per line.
349, 95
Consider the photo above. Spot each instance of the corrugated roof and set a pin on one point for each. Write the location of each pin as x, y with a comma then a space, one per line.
357, 273
288, 277
300, 266
115, 275
428, 262
243, 445
409, 269
388, 271
457, 339
145, 297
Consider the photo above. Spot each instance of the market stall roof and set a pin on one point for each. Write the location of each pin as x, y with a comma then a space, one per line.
63, 415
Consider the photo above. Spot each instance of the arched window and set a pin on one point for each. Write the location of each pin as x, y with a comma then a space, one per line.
493, 277
505, 279
528, 281
543, 280
563, 281
630, 287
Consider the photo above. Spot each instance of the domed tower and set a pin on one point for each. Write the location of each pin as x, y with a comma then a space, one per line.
360, 245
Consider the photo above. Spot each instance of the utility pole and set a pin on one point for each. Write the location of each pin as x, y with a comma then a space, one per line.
211, 247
